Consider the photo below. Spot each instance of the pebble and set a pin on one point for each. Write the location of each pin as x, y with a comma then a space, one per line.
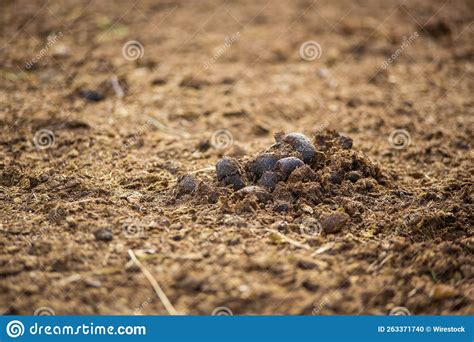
91, 95
92, 282
307, 209
323, 73
284, 167
335, 222
103, 234
302, 144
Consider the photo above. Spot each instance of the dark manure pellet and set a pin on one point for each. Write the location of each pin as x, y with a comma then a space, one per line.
229, 173
186, 185
300, 143
264, 162
284, 167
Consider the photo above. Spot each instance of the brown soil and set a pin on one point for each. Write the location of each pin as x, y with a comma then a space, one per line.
356, 230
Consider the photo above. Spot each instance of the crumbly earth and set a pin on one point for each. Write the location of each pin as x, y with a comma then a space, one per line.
87, 174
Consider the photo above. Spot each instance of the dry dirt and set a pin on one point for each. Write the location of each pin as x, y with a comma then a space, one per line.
87, 174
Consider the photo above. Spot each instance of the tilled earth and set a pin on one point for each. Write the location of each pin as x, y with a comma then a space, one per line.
344, 172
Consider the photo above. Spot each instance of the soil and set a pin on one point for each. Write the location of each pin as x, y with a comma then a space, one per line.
103, 152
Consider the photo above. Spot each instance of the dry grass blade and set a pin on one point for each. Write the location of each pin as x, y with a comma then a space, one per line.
279, 237
164, 299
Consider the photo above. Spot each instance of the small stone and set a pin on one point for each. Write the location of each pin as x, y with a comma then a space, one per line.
302, 144
335, 222
268, 180
323, 73
307, 209
91, 95
91, 282
134, 197
442, 291
284, 167
74, 153
103, 234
